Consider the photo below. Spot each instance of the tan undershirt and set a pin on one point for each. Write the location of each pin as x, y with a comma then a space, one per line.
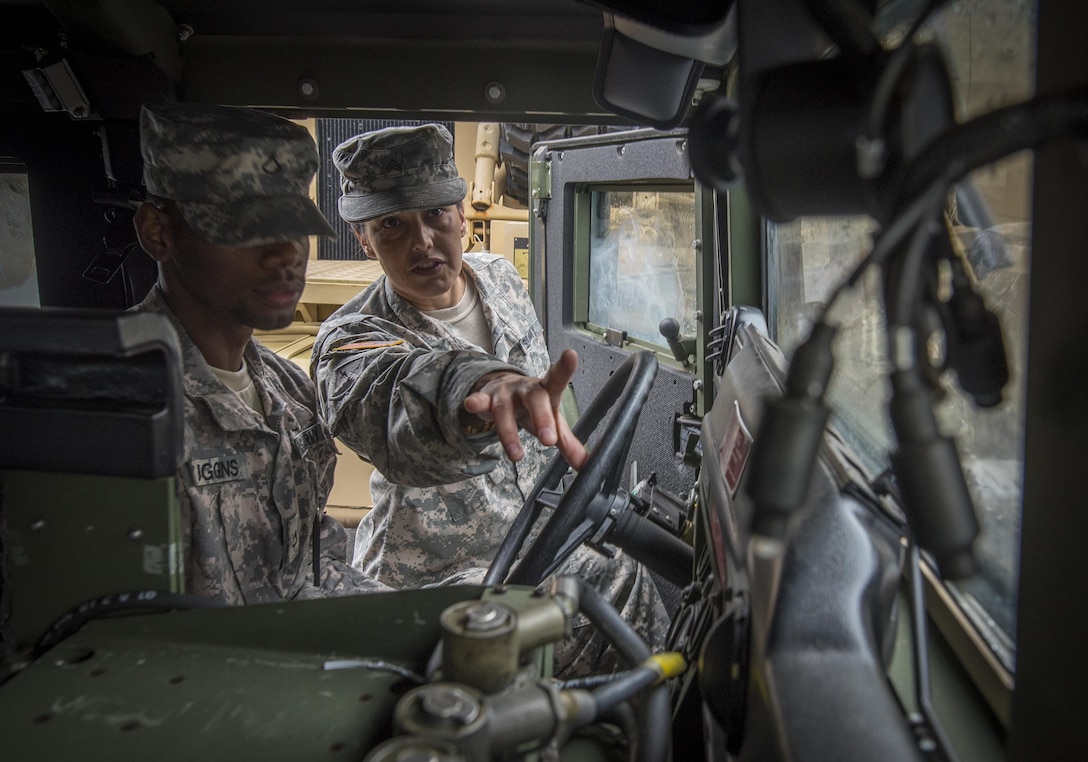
466, 318
241, 383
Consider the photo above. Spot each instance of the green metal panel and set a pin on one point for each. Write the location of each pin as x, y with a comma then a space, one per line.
250, 682
706, 259
74, 537
745, 252
374, 77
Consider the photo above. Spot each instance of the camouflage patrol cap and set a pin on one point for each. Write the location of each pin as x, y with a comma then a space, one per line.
397, 169
239, 177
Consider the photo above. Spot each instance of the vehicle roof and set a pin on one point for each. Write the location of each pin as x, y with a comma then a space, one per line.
358, 58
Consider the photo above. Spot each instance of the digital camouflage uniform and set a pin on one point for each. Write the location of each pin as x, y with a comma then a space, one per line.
251, 490
251, 487
391, 382
239, 177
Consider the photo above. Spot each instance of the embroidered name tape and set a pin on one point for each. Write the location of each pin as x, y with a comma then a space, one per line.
218, 470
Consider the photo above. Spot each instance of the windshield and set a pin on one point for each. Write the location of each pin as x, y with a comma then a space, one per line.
989, 46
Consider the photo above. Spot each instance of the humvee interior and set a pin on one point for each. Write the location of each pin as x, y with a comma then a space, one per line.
820, 260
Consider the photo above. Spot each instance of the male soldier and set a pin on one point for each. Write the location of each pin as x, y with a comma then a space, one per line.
434, 366
227, 218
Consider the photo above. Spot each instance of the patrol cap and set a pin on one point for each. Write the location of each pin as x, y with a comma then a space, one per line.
239, 177
397, 169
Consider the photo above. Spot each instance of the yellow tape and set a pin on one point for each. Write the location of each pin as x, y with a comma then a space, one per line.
667, 664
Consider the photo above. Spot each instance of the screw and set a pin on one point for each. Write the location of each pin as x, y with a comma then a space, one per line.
37, 525
494, 92
135, 534
308, 88
484, 617
451, 704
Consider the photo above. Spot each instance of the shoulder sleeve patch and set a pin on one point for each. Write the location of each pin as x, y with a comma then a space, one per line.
357, 345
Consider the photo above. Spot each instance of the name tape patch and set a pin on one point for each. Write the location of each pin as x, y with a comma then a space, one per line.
218, 470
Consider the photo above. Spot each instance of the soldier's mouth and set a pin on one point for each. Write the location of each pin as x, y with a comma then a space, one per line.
284, 294
428, 268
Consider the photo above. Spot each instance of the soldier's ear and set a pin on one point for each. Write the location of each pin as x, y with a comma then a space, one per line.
361, 237
153, 231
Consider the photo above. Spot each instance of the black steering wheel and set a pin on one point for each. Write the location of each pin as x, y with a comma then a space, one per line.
583, 507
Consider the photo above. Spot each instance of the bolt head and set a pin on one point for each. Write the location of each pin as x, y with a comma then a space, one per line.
450, 703
494, 92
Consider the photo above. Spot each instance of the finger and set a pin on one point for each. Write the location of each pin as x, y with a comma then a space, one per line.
570, 447
477, 402
506, 426
542, 411
558, 377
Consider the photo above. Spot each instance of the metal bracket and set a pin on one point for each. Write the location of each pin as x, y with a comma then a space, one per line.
57, 89
614, 337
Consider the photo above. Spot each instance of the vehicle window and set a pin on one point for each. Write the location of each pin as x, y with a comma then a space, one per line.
989, 47
18, 275
642, 264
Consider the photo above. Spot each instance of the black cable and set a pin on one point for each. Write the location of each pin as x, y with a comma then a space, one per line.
616, 629
793, 425
655, 712
920, 189
785, 449
71, 621
919, 193
589, 681
872, 147
925, 204
902, 298
618, 690
990, 137
936, 499
893, 72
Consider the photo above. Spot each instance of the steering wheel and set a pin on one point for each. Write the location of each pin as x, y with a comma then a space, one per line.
583, 507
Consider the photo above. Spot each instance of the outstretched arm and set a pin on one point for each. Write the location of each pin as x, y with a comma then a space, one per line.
511, 401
